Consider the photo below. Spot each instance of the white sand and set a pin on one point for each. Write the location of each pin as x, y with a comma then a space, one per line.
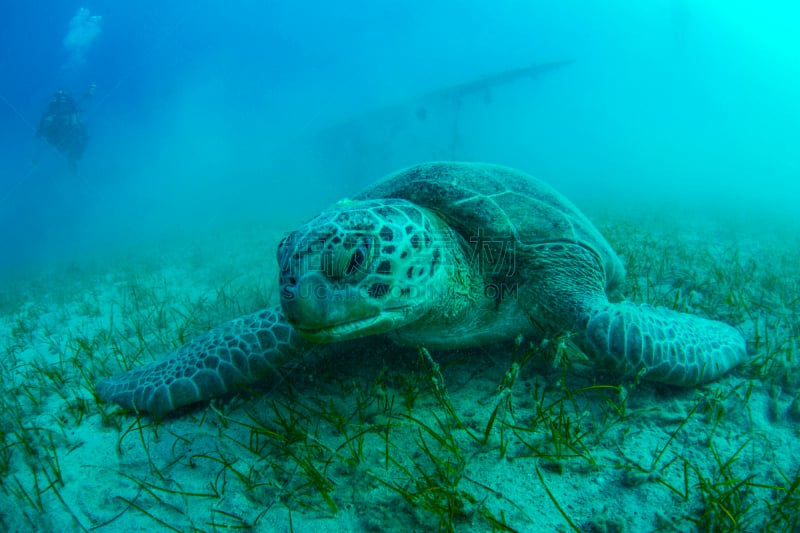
342, 449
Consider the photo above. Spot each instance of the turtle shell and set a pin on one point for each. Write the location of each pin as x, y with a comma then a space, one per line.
486, 201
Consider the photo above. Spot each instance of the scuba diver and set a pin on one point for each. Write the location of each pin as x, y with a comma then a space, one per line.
62, 127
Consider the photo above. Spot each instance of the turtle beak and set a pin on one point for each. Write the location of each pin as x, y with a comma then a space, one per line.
324, 312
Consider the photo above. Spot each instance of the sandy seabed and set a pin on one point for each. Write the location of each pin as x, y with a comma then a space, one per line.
519, 436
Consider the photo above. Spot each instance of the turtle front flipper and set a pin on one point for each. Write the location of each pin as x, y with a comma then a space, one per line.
232, 355
670, 347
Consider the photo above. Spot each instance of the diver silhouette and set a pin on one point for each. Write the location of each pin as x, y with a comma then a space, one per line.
62, 127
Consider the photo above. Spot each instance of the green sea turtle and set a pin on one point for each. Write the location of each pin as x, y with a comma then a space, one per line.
445, 255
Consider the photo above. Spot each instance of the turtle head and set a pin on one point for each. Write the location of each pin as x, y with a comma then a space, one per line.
362, 268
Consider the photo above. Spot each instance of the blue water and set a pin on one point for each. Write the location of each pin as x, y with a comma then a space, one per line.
210, 119
212, 113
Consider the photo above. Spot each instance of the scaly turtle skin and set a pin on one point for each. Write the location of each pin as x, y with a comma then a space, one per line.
446, 255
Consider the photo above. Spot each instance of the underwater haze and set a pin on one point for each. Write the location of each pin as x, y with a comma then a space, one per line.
153, 155
212, 113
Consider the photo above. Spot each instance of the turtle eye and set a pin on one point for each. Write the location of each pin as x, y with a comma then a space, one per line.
357, 259
349, 260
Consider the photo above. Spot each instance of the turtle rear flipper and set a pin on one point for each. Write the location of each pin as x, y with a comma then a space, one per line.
671, 347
